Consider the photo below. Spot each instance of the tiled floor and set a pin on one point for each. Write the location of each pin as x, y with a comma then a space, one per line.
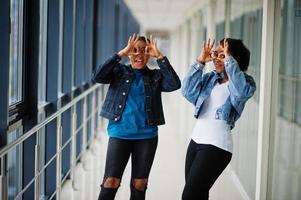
166, 180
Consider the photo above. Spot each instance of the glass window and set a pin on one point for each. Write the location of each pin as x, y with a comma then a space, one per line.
14, 166
42, 54
246, 22
16, 41
285, 182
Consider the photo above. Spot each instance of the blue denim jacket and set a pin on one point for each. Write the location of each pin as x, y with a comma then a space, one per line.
120, 77
198, 86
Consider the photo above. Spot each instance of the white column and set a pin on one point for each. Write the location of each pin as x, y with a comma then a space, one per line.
227, 17
211, 19
265, 99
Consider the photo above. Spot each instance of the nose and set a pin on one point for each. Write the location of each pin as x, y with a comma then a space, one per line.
217, 60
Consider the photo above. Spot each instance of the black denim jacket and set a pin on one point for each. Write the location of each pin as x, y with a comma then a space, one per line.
120, 77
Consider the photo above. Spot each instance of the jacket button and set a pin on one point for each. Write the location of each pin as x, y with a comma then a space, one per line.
127, 81
116, 119
120, 106
123, 93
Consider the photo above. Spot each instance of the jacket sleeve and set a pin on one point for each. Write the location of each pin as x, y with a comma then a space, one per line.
170, 80
105, 72
192, 82
241, 85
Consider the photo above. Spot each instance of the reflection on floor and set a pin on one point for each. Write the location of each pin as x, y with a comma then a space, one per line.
166, 180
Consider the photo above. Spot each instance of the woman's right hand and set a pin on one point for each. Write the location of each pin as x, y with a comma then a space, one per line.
129, 49
205, 55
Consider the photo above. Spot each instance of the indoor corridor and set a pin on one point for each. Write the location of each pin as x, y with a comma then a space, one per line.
53, 142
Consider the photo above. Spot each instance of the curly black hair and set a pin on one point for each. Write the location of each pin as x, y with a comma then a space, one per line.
239, 51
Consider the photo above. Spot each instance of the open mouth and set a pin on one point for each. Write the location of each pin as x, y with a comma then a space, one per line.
139, 61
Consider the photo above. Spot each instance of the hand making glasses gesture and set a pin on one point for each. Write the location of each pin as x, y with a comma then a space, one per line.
150, 49
205, 55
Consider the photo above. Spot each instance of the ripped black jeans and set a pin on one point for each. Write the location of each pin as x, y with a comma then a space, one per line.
142, 154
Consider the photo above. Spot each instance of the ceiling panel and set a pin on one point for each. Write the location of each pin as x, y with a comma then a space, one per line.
159, 14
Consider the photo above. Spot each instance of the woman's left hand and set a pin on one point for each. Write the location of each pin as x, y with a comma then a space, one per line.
152, 49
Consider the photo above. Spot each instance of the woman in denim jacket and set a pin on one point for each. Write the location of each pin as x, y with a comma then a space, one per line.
219, 98
134, 109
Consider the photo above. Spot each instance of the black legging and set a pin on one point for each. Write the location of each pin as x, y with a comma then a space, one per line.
119, 150
204, 164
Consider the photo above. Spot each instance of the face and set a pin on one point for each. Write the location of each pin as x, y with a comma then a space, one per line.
218, 59
139, 59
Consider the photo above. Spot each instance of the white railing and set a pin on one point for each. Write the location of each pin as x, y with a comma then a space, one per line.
59, 147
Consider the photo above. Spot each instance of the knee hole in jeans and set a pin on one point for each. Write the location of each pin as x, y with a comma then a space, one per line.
111, 182
140, 184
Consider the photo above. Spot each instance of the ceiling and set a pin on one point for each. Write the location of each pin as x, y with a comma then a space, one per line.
162, 15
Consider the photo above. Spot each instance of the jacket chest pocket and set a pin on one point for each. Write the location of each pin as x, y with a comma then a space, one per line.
116, 85
121, 81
